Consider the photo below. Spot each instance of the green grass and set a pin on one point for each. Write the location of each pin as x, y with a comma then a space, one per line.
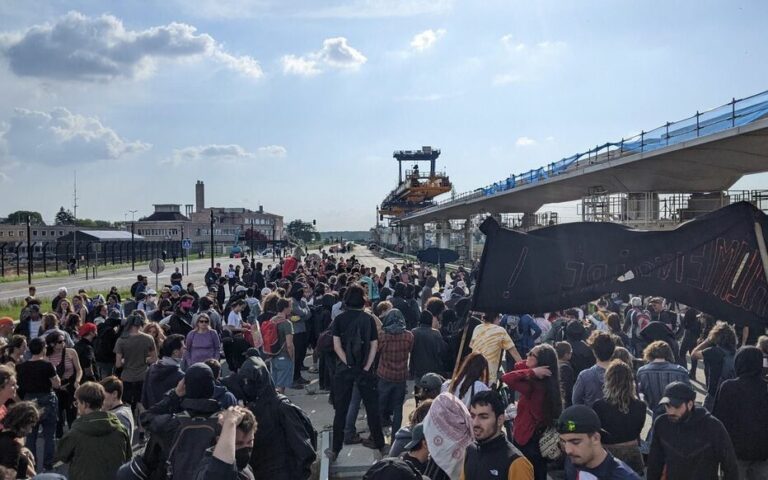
12, 308
52, 273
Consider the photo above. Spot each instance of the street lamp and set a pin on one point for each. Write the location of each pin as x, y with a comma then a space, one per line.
212, 246
133, 247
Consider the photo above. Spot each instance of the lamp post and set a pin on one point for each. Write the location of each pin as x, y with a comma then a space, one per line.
212, 246
273, 240
29, 252
133, 245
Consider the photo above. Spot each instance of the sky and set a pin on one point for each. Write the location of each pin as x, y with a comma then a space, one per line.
297, 105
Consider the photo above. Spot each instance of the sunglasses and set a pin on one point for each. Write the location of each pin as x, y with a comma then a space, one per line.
59, 342
203, 321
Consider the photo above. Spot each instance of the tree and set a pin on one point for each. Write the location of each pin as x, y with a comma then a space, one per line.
303, 231
20, 216
65, 217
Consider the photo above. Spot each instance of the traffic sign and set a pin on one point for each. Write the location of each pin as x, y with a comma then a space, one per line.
156, 266
186, 244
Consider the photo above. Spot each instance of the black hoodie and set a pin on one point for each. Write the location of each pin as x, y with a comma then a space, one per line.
691, 449
284, 446
742, 406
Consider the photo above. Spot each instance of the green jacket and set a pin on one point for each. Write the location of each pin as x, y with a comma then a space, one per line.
95, 447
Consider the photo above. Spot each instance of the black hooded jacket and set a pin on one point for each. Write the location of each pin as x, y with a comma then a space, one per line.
285, 442
691, 449
742, 406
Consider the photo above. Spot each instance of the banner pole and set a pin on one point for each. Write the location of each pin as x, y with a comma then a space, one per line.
761, 247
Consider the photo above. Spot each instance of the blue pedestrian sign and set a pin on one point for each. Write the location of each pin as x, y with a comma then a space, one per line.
186, 244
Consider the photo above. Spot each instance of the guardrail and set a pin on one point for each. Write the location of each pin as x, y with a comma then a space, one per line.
733, 114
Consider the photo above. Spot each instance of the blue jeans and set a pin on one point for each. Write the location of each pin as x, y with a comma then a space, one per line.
354, 409
48, 418
391, 398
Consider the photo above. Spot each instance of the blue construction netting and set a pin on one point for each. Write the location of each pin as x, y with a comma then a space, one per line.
734, 114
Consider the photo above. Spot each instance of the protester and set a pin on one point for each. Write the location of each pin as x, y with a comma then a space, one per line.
718, 352
405, 435
283, 351
416, 451
203, 342
658, 372
104, 352
85, 353
37, 378
13, 352
491, 341
428, 347
471, 379
582, 357
691, 332
622, 415
284, 446
355, 341
19, 422
134, 352
492, 455
67, 366
220, 393
113, 403
228, 460
395, 345
540, 402
689, 443
565, 370
581, 437
742, 406
299, 316
97, 444
165, 374
448, 430
589, 384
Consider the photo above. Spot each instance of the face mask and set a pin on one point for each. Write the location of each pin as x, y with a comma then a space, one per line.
242, 456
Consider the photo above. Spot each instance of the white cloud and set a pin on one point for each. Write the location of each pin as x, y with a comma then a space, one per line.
62, 137
426, 39
99, 49
525, 142
293, 65
336, 53
525, 62
231, 153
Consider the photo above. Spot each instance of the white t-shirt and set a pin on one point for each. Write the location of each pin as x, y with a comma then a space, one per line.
234, 319
34, 328
467, 399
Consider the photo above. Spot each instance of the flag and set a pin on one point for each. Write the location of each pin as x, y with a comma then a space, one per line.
712, 263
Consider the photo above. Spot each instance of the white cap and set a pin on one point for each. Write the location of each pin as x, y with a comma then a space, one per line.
265, 291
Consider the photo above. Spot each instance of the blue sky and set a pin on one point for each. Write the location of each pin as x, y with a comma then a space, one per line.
298, 105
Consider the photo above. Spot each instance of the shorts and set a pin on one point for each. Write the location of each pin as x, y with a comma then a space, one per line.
132, 392
282, 371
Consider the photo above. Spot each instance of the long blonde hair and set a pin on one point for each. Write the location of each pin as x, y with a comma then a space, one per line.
619, 386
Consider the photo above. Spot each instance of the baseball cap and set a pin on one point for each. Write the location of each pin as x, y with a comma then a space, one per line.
578, 419
86, 329
417, 435
431, 381
240, 288
265, 291
151, 291
392, 469
176, 288
677, 393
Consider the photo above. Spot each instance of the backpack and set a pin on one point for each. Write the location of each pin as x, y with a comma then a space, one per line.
194, 436
354, 346
269, 336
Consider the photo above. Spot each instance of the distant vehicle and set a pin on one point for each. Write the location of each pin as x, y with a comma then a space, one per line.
267, 252
373, 246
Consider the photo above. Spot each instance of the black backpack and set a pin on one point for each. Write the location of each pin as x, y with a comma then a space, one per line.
194, 436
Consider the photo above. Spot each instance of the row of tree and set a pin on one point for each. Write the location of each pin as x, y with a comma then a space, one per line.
63, 217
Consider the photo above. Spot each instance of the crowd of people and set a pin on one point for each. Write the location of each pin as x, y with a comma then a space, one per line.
132, 388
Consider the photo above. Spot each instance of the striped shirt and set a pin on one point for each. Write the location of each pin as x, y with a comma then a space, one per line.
490, 340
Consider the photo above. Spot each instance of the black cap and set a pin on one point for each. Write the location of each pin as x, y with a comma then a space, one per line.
431, 381
677, 393
578, 419
392, 469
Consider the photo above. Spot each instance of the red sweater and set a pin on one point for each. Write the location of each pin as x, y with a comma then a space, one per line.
530, 407
289, 266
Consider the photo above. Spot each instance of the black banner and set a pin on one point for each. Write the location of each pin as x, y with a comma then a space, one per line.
712, 263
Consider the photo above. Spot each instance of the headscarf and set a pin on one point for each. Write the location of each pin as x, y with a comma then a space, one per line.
448, 430
393, 322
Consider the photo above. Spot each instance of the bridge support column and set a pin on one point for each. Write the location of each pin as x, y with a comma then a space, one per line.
468, 237
443, 234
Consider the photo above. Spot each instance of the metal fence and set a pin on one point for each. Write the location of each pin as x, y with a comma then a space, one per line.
733, 114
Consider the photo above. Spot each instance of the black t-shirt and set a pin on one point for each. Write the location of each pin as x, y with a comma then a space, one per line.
350, 322
34, 377
620, 427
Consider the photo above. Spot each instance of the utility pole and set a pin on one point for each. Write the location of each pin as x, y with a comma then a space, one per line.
74, 232
181, 240
212, 246
29, 252
252, 238
133, 246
